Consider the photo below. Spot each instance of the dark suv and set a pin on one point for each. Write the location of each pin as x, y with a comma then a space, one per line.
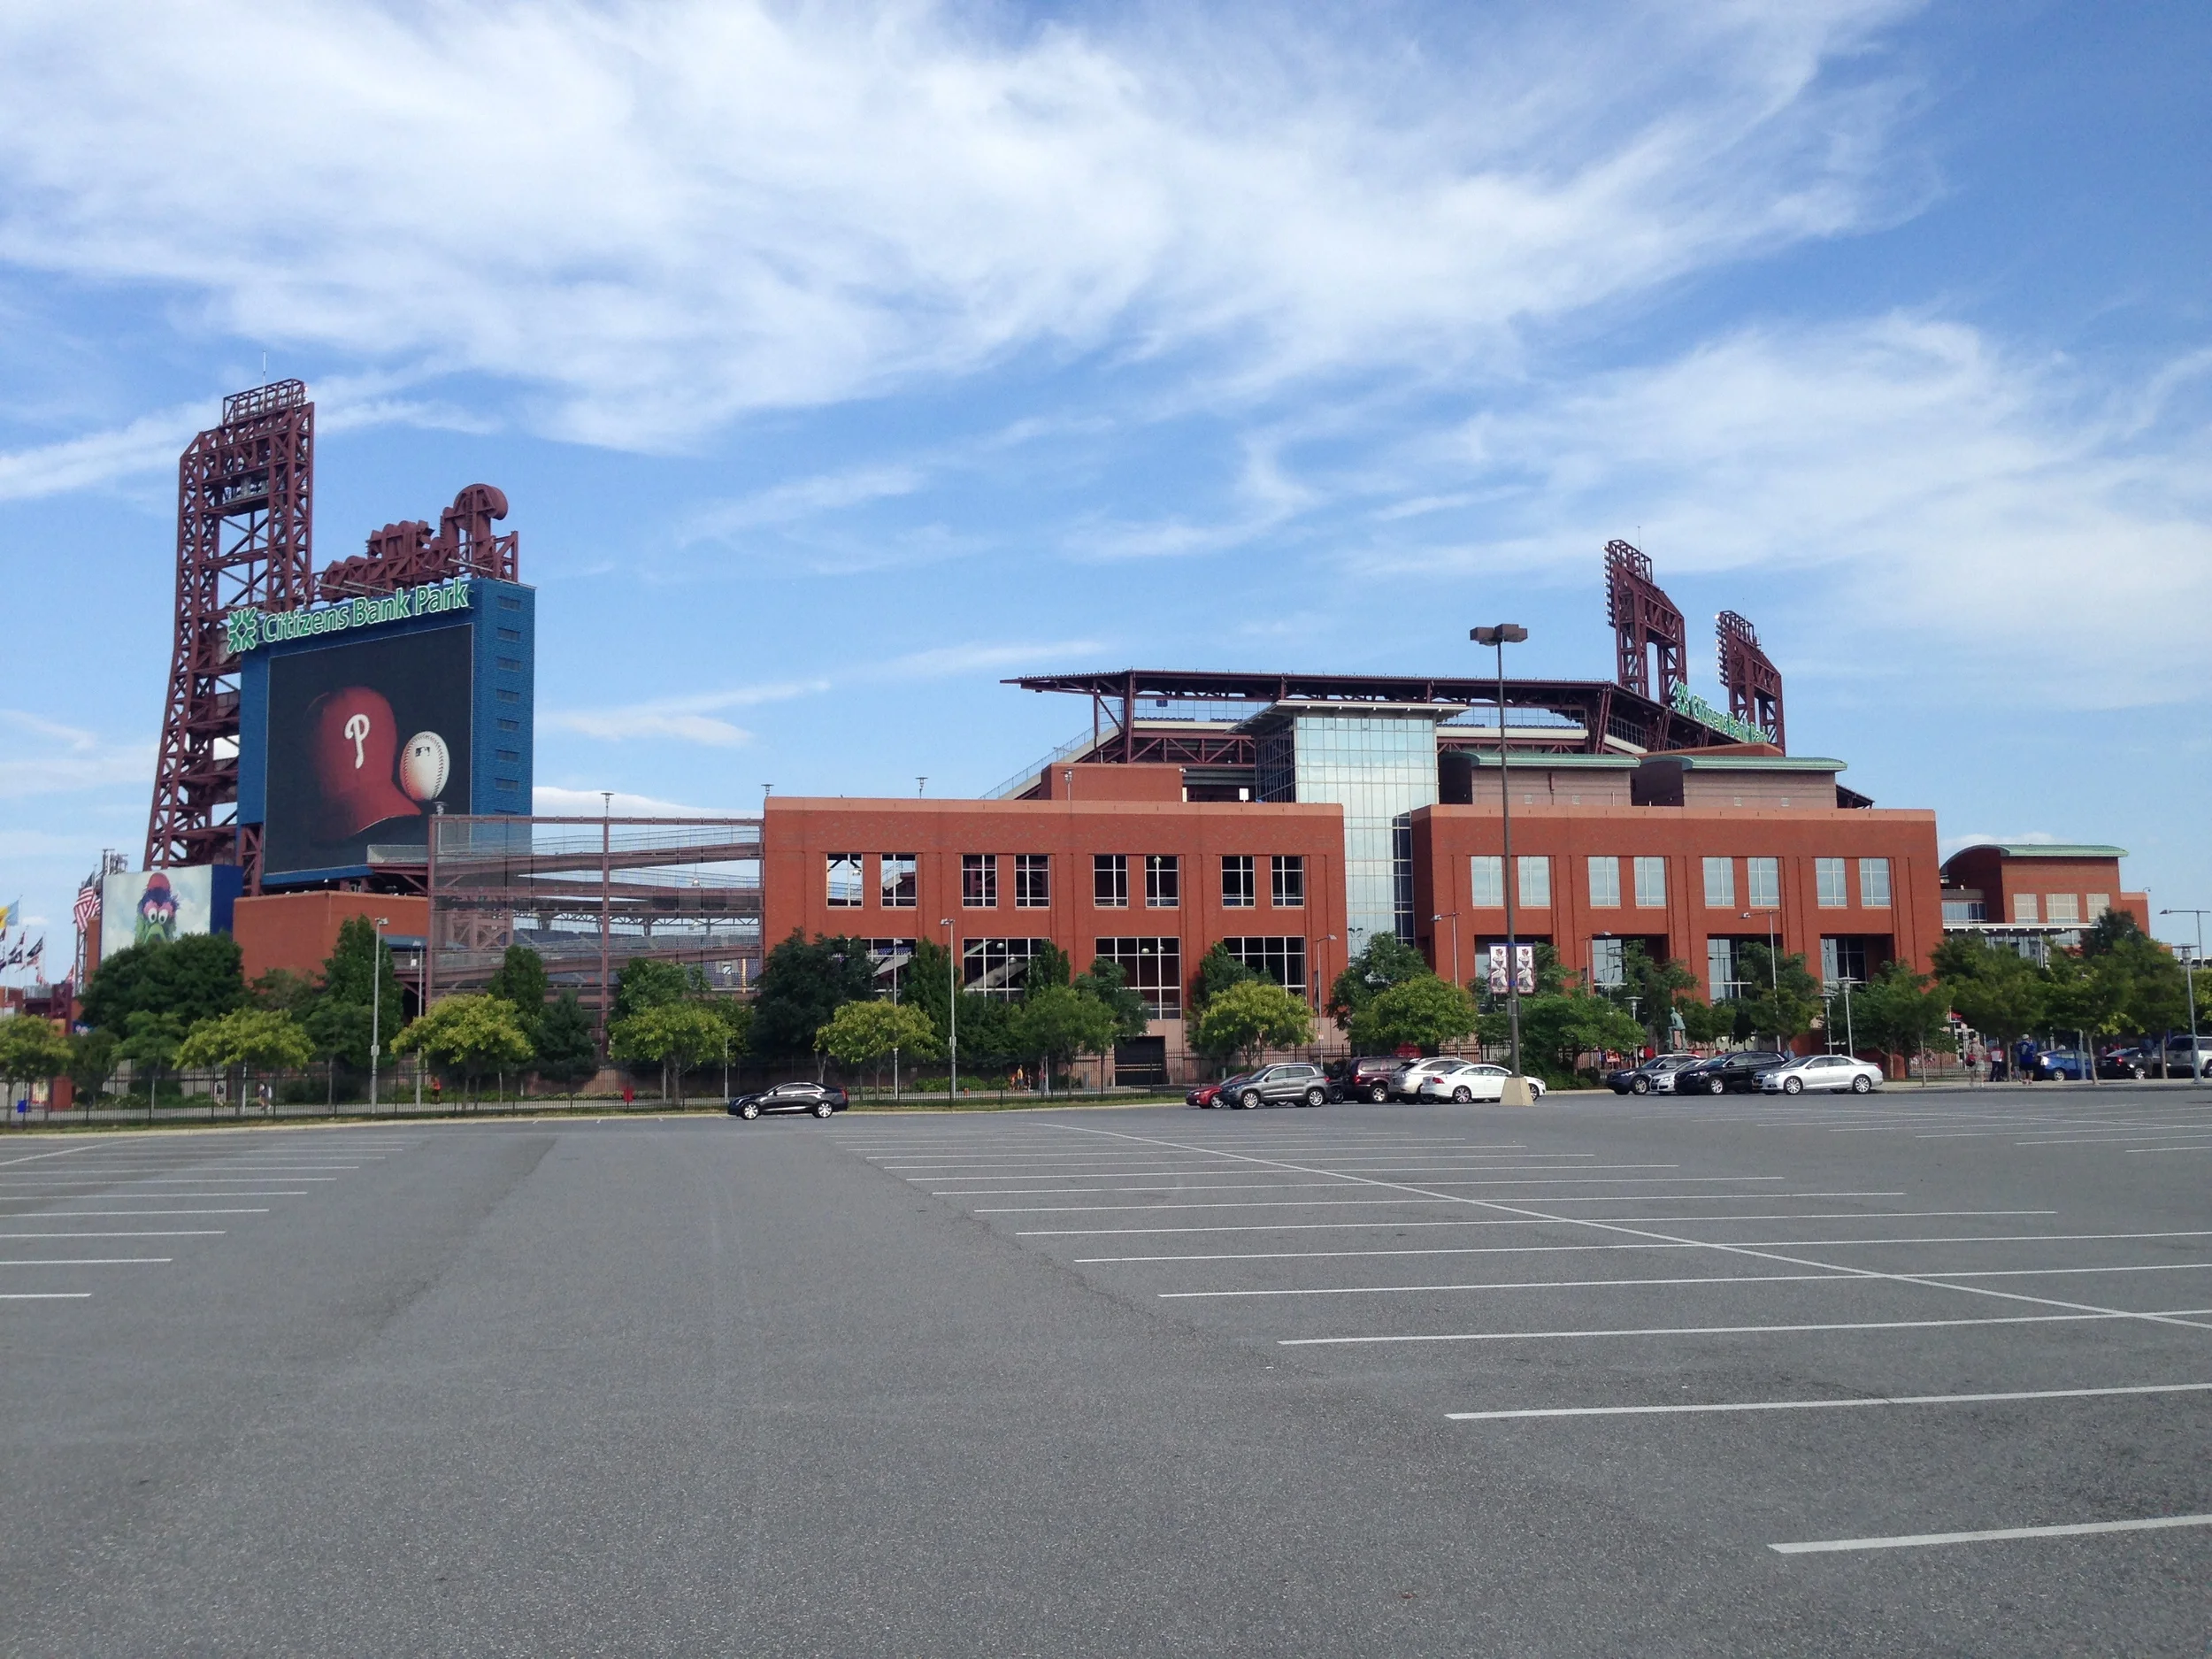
1728, 1073
1366, 1078
1295, 1081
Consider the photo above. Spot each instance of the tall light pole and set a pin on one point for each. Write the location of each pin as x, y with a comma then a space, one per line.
1499, 637
952, 1010
2189, 978
1453, 917
1774, 973
376, 1002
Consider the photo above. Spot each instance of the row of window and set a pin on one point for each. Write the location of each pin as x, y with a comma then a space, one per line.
897, 883
2056, 907
1761, 887
1153, 967
1843, 960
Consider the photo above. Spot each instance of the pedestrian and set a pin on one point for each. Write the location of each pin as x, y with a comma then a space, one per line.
2024, 1059
628, 1095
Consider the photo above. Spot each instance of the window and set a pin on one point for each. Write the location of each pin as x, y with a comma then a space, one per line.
895, 880
1163, 881
996, 967
1842, 959
1154, 968
1240, 888
508, 602
512, 665
513, 636
1486, 881
1110, 882
1281, 960
507, 783
1874, 883
2099, 903
512, 756
2024, 907
1651, 884
890, 956
1032, 882
505, 695
1605, 884
844, 881
2061, 907
1720, 884
1535, 882
1828, 883
1720, 969
1763, 882
505, 725
1608, 962
978, 881
1288, 873
1960, 911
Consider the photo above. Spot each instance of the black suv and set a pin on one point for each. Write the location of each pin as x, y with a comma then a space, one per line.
1295, 1081
1728, 1073
821, 1099
1365, 1078
1641, 1079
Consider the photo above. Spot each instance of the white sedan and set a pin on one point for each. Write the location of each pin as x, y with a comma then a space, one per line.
1469, 1080
1816, 1071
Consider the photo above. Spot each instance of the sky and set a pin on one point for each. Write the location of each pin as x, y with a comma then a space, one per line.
839, 361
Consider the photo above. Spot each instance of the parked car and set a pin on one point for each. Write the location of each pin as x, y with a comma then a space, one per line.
1654, 1075
1814, 1072
1405, 1082
2053, 1064
821, 1099
2182, 1062
1288, 1081
2127, 1063
1470, 1080
1737, 1072
1367, 1077
1209, 1094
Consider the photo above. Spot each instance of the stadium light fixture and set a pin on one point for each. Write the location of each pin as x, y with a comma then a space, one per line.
1497, 636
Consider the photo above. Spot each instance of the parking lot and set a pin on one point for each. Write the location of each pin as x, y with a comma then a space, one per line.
1919, 1372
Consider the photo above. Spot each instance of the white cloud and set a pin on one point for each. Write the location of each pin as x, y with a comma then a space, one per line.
51, 757
658, 216
967, 659
554, 802
689, 718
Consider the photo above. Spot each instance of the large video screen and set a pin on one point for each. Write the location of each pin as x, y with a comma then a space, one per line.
366, 740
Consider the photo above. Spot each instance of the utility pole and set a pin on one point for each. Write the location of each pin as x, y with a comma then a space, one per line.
1500, 636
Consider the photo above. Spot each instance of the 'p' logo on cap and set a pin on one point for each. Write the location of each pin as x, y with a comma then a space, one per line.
356, 741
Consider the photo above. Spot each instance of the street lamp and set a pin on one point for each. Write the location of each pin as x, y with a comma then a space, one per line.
1774, 973
1499, 637
952, 1010
2189, 978
376, 1002
1452, 916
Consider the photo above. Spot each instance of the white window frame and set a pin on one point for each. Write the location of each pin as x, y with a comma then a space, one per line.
1605, 883
1486, 881
1651, 884
1533, 874
1762, 876
845, 874
1720, 884
1829, 891
1874, 884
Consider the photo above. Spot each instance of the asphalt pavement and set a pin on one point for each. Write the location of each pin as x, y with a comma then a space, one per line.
1924, 1373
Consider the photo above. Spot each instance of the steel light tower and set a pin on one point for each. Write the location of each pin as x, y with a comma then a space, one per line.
1498, 637
2189, 978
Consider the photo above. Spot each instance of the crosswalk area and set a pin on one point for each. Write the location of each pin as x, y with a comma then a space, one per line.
1842, 1333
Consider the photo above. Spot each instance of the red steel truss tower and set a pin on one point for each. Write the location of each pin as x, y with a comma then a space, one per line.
1642, 617
245, 522
1755, 684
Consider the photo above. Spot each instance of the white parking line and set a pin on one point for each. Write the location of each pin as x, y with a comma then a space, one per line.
33, 1157
1739, 1329
1920, 1540
1528, 1284
109, 1233
1210, 1186
1540, 1249
65, 1215
65, 1198
2135, 1150
1826, 1405
1543, 1221
44, 1296
87, 1261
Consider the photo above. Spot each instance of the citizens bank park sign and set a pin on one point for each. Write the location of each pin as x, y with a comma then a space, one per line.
245, 631
1688, 703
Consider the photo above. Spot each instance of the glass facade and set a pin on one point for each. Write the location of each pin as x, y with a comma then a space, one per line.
1378, 766
1720, 970
1281, 960
1608, 962
1154, 969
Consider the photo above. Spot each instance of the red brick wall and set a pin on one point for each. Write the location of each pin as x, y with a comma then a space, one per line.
299, 930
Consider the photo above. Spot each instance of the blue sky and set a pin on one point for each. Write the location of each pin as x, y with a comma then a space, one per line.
839, 361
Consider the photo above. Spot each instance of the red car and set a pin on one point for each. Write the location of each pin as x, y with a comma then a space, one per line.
1206, 1093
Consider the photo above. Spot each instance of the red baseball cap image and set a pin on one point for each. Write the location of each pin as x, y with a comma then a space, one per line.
356, 742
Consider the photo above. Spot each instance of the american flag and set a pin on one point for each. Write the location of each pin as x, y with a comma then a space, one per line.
88, 910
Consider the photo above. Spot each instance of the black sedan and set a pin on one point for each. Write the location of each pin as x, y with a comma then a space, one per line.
1737, 1072
821, 1099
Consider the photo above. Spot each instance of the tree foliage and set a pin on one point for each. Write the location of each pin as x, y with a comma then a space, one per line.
1387, 960
470, 1036
1776, 997
91, 1058
520, 981
1109, 982
1658, 987
30, 1050
1558, 1028
1215, 972
256, 1037
567, 1052
150, 1045
676, 1035
1047, 969
646, 983
802, 986
862, 1034
359, 969
195, 977
1250, 1017
1991, 987
1059, 1022
1422, 1011
1897, 1011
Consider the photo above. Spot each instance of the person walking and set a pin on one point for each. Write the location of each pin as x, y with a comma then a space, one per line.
2024, 1059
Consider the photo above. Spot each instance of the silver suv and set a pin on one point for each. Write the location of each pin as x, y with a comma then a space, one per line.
1292, 1082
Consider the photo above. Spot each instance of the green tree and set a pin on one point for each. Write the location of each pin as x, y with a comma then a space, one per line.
195, 977
1250, 1017
1898, 1011
1657, 989
470, 1036
567, 1052
1060, 1022
2149, 991
91, 1058
340, 1032
30, 1050
1048, 968
1215, 972
645, 982
1778, 997
862, 1035
1387, 960
1424, 1011
1704, 1022
520, 982
1991, 987
151, 1047
1559, 1027
245, 1040
1109, 982
359, 969
927, 982
802, 986
676, 1035
282, 991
